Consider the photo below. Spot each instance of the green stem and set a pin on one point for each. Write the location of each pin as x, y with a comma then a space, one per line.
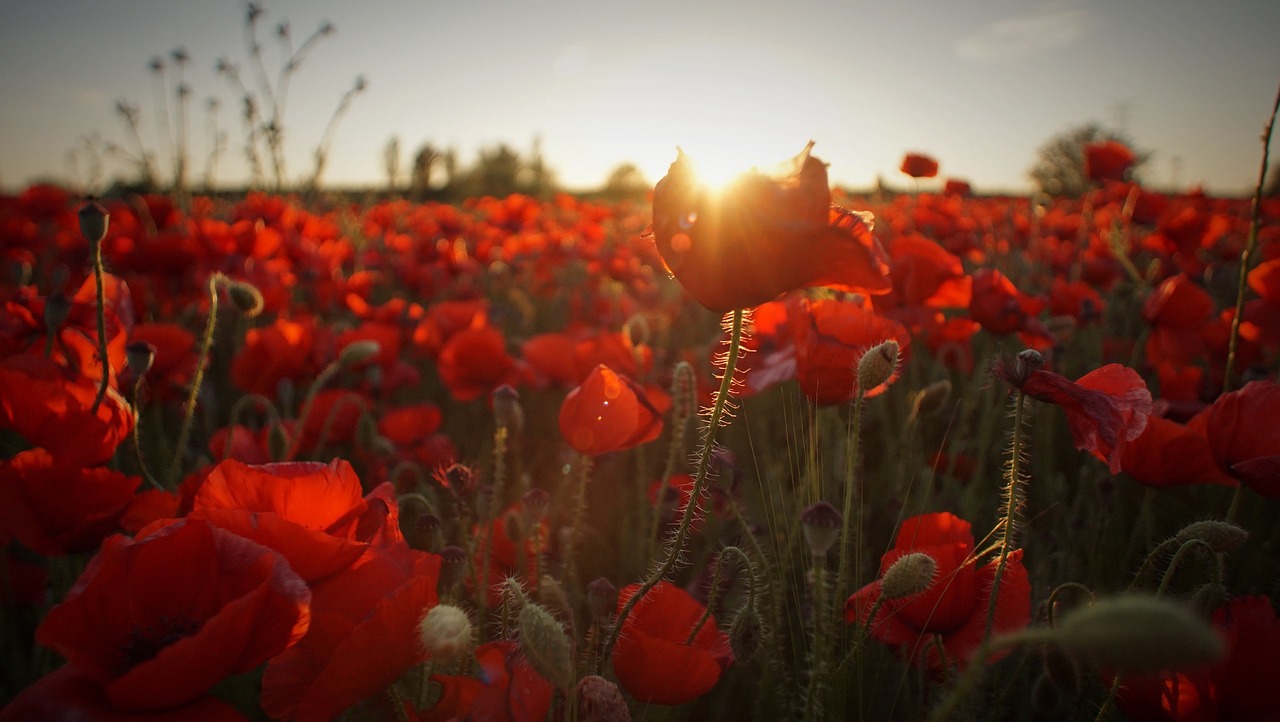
821, 644
102, 327
579, 513
495, 503
325, 376
740, 556
202, 363
851, 489
137, 440
699, 481
1012, 503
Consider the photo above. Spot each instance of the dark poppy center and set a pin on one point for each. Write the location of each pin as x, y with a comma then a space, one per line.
146, 641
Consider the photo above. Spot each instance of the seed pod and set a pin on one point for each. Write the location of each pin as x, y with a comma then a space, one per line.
94, 220
821, 524
1222, 536
908, 576
445, 632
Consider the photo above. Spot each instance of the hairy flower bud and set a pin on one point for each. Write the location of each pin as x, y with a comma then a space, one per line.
908, 576
1137, 635
94, 220
877, 367
507, 411
1222, 536
602, 597
56, 309
445, 632
931, 398
746, 634
545, 645
140, 355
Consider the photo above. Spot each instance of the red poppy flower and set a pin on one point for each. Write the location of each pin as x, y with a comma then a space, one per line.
1167, 453
1241, 687
159, 620
1106, 408
1001, 308
175, 358
926, 275
50, 407
607, 413
958, 188
954, 607
56, 508
1244, 437
509, 690
312, 513
149, 507
69, 694
1107, 160
509, 557
653, 658
831, 337
474, 361
282, 350
919, 165
334, 416
363, 636
762, 236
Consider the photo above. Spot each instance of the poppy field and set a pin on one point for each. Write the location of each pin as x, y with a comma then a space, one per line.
771, 451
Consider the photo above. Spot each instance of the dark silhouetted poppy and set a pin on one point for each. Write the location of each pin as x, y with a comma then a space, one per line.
1241, 687
56, 508
607, 412
954, 607
312, 513
69, 694
919, 165
363, 636
1244, 435
653, 657
1106, 408
762, 236
1107, 160
159, 620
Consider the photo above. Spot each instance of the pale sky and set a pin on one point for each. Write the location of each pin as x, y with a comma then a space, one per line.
978, 84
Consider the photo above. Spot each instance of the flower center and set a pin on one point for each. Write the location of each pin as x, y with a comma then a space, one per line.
146, 641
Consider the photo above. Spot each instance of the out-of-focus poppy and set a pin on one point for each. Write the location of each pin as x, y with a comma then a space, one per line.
363, 636
56, 508
508, 690
509, 556
279, 351
148, 507
1107, 160
474, 361
1241, 687
954, 607
1244, 437
334, 416
1167, 453
175, 359
1001, 308
762, 236
69, 694
958, 188
312, 513
51, 407
654, 659
926, 275
160, 620
607, 412
919, 165
1106, 408
831, 337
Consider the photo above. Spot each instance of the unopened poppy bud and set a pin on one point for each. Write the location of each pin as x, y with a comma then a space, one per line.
1027, 361
602, 596
507, 411
821, 524
1222, 536
357, 352
56, 309
445, 632
278, 441
246, 297
513, 594
1208, 598
908, 576
931, 398
1138, 635
545, 645
599, 700
453, 566
636, 330
553, 596
746, 634
877, 367
684, 387
140, 355
94, 220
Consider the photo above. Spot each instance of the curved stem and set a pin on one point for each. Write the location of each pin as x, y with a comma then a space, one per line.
202, 362
699, 481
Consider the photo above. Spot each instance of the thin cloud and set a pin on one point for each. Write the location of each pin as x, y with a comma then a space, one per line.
1045, 28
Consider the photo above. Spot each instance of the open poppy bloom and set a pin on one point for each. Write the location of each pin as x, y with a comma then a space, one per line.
1167, 453
1106, 408
1244, 438
312, 513
56, 508
159, 620
1107, 161
508, 690
608, 412
1240, 687
69, 694
919, 165
954, 607
653, 658
831, 337
761, 236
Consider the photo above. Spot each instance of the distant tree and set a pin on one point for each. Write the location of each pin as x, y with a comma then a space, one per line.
391, 162
422, 175
1059, 166
497, 172
1272, 188
626, 180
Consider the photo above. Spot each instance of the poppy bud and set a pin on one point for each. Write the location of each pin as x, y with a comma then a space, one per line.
877, 367
507, 412
545, 645
1222, 536
600, 700
1024, 363
553, 596
445, 632
931, 398
746, 634
821, 524
1206, 600
453, 566
246, 297
94, 220
140, 355
1138, 635
56, 309
910, 575
602, 596
357, 352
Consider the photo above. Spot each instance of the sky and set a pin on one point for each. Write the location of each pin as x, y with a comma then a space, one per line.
978, 84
